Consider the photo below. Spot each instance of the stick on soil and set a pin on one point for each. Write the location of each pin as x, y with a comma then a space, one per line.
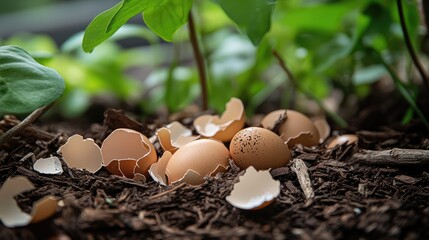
395, 156
301, 171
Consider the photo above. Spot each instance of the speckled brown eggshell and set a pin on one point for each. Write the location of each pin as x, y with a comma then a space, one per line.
260, 148
296, 129
202, 156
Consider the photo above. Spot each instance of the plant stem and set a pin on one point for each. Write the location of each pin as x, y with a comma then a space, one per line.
403, 90
25, 123
199, 59
335, 117
414, 57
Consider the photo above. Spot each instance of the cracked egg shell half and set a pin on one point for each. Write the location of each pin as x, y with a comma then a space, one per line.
296, 128
128, 153
347, 139
260, 148
255, 190
197, 159
222, 128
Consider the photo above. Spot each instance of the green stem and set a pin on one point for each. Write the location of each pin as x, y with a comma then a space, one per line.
403, 90
414, 57
335, 117
199, 59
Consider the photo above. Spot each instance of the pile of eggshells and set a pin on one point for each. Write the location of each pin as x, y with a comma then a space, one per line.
190, 158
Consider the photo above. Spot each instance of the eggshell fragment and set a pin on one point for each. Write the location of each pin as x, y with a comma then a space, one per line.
174, 135
81, 153
295, 129
10, 213
157, 170
260, 148
51, 165
323, 128
225, 127
126, 152
342, 139
202, 156
255, 190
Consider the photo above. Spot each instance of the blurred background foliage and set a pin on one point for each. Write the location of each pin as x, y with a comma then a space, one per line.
324, 43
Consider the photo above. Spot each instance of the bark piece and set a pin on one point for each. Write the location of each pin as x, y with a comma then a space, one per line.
395, 156
301, 171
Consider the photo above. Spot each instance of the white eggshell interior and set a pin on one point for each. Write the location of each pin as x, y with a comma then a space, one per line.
81, 153
51, 165
11, 214
254, 189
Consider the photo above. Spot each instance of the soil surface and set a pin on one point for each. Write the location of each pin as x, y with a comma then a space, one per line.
355, 198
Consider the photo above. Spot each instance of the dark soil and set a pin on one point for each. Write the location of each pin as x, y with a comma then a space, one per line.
352, 201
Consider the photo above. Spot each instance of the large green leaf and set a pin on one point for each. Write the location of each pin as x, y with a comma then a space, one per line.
164, 17
253, 17
25, 85
167, 17
108, 22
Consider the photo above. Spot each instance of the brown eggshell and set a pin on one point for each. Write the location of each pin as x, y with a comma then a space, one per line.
260, 148
173, 136
225, 127
323, 128
202, 156
126, 144
296, 129
81, 153
11, 214
342, 139
157, 170
191, 177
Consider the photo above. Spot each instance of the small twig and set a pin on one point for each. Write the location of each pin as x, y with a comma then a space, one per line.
167, 191
338, 120
301, 171
393, 157
199, 61
410, 47
25, 123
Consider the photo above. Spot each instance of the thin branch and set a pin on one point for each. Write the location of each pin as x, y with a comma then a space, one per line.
410, 47
337, 119
25, 123
392, 157
166, 192
199, 61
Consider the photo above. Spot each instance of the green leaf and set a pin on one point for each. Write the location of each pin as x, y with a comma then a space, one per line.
97, 32
107, 23
25, 85
168, 17
253, 17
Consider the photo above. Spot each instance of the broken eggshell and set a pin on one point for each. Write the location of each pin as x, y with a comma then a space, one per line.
260, 148
157, 170
255, 190
342, 139
323, 128
195, 160
51, 165
11, 214
293, 127
225, 127
81, 153
173, 136
127, 152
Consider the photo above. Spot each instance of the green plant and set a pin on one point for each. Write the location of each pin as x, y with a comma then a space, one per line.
25, 86
324, 55
166, 17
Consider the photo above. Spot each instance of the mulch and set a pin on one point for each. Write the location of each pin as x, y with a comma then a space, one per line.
352, 201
